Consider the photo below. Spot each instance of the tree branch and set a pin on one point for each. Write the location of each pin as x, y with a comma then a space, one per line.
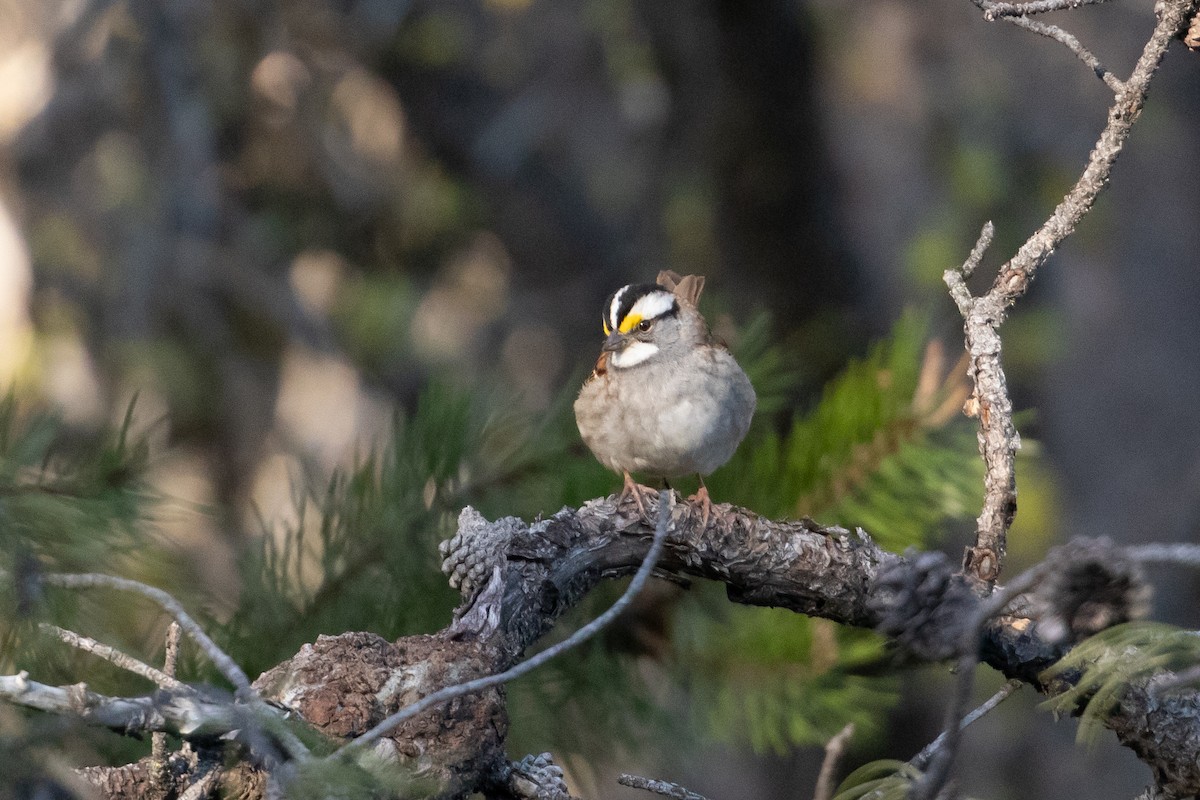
664, 788
112, 655
547, 566
834, 749
993, 10
188, 714
1003, 693
227, 666
998, 438
1073, 44
574, 640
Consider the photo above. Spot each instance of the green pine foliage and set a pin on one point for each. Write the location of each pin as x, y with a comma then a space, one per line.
366, 779
1102, 668
884, 449
597, 700
360, 552
773, 679
71, 503
878, 443
879, 780
885, 779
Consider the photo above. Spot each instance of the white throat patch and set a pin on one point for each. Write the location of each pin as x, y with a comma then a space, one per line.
634, 354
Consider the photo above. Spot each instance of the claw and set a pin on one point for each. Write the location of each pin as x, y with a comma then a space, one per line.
704, 501
632, 489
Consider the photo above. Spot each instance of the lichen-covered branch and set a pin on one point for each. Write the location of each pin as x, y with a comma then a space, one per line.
983, 315
184, 713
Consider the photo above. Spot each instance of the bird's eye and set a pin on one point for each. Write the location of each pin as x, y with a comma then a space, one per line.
645, 325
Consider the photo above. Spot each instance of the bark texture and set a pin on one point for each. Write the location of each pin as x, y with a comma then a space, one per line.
343, 685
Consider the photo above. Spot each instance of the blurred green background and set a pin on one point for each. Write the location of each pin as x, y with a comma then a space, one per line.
285, 285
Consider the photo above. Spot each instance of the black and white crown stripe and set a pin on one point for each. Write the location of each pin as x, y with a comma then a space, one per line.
631, 304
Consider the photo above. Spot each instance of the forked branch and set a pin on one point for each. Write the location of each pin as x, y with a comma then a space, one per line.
983, 315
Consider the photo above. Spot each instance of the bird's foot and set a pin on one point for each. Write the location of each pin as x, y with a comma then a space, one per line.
702, 499
634, 490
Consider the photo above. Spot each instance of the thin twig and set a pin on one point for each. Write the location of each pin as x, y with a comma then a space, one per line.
834, 749
664, 788
90, 580
532, 663
977, 252
171, 658
994, 10
942, 758
159, 772
114, 656
955, 279
1182, 553
922, 758
1073, 44
998, 438
223, 662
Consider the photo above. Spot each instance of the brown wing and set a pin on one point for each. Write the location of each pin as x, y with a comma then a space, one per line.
600, 369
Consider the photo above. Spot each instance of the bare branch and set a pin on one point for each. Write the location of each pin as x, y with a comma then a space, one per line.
110, 654
1003, 693
955, 279
664, 788
171, 657
993, 10
801, 566
227, 666
1182, 553
159, 764
187, 714
1073, 44
998, 438
1014, 278
942, 756
575, 639
834, 749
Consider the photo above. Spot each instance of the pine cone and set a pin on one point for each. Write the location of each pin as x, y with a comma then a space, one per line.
478, 547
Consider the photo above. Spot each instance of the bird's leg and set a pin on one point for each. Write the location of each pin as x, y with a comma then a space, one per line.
631, 488
701, 497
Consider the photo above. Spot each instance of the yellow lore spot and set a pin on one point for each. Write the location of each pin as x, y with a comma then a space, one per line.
630, 322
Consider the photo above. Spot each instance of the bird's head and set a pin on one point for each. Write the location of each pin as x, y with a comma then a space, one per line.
642, 321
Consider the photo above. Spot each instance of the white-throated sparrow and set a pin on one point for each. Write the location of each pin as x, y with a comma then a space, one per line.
665, 398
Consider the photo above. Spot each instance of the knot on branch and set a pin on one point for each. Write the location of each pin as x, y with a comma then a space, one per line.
1092, 585
923, 605
537, 778
344, 685
473, 553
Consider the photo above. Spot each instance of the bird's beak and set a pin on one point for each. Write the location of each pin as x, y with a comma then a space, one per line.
615, 341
